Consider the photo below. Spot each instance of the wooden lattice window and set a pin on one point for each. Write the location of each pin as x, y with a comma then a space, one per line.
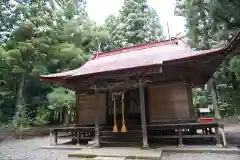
133, 101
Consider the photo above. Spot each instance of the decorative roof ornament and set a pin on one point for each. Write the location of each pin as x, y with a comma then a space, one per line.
96, 53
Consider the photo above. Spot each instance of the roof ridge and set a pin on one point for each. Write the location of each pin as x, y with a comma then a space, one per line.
135, 47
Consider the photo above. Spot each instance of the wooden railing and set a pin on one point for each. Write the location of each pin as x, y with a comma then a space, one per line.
178, 131
182, 131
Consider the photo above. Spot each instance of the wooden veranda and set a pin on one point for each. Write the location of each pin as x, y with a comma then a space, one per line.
156, 133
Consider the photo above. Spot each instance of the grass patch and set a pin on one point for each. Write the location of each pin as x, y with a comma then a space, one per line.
82, 156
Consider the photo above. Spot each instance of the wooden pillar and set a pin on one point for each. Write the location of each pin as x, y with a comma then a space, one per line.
55, 137
78, 138
190, 101
76, 108
217, 115
218, 138
143, 116
97, 130
50, 138
180, 140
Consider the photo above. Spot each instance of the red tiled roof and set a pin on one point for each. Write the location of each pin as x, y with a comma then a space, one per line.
137, 47
133, 57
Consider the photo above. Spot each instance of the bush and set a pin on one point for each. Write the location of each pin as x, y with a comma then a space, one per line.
42, 117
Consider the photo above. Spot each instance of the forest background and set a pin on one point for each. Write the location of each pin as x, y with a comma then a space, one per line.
48, 36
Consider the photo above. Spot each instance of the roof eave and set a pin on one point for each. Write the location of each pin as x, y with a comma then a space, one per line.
138, 70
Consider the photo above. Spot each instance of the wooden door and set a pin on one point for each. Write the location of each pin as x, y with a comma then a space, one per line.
131, 109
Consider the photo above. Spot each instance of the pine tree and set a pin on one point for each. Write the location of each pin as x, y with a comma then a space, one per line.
209, 23
137, 23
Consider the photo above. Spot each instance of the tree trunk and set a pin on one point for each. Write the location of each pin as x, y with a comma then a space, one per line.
21, 128
215, 103
20, 110
61, 116
20, 97
66, 117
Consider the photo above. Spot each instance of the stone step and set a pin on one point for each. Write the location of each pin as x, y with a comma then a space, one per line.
109, 158
109, 137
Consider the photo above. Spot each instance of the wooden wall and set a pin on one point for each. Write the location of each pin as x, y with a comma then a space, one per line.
86, 109
169, 103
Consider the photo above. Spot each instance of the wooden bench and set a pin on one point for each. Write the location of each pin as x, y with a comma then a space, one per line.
77, 132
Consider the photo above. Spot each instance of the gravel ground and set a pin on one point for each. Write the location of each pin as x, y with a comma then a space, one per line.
30, 150
199, 156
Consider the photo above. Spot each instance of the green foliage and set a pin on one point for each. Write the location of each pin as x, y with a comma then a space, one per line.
43, 116
229, 85
61, 101
60, 98
8, 20
20, 121
7, 89
39, 42
137, 23
199, 98
211, 24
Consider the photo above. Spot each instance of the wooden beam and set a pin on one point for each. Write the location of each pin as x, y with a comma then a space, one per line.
117, 86
147, 70
143, 115
167, 83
